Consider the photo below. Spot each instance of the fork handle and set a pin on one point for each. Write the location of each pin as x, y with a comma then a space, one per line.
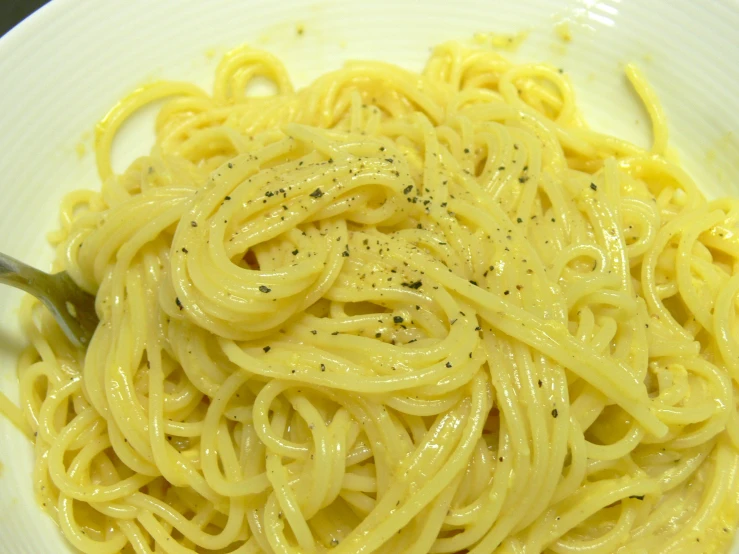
73, 308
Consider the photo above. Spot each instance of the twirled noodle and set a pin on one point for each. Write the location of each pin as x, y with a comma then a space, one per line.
391, 312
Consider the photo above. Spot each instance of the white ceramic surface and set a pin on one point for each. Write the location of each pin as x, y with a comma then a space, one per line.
62, 68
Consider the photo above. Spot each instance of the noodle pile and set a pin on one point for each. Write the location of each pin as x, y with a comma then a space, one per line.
390, 312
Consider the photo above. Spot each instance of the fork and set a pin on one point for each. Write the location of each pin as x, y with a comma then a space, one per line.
72, 307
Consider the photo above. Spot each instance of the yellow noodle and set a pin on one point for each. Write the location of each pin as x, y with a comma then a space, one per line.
390, 312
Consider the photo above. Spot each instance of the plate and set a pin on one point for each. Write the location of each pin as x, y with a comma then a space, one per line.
63, 67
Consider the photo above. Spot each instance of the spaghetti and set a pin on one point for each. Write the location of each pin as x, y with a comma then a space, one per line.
390, 312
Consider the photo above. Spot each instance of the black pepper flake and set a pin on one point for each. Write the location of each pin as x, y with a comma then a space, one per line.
335, 333
519, 220
539, 383
555, 413
449, 364
179, 304
295, 252
323, 367
230, 165
382, 148
407, 189
478, 328
378, 335
506, 292
593, 186
265, 289
269, 194
466, 150
637, 496
317, 193
501, 168
185, 250
473, 282
389, 160
267, 348
414, 285
330, 160
314, 332
227, 198
194, 223
523, 179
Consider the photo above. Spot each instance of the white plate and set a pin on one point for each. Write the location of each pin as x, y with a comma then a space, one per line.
67, 64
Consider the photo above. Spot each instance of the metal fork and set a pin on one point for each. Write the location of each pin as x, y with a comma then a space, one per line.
73, 308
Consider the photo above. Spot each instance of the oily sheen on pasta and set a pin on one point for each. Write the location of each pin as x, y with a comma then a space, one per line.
391, 312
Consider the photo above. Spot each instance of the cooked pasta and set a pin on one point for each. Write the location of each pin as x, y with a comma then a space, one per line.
390, 312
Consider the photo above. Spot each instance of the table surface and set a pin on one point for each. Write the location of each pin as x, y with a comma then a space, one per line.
13, 12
